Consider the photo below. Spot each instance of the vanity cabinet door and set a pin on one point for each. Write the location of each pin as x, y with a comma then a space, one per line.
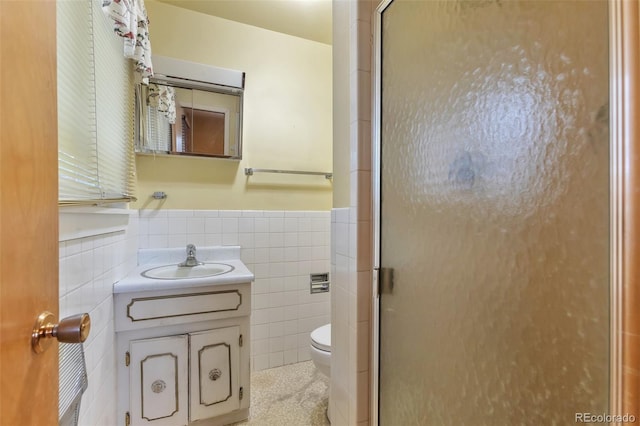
158, 381
214, 357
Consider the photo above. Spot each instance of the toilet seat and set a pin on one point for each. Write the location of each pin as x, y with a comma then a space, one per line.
321, 338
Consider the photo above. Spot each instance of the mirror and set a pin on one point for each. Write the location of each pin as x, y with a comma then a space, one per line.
179, 116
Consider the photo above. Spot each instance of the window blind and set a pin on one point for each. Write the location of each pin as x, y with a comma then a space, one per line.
95, 107
156, 135
159, 130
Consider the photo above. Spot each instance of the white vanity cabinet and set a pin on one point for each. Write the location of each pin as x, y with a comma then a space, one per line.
213, 377
158, 380
184, 355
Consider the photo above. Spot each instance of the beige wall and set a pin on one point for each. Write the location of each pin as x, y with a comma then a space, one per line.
341, 104
287, 118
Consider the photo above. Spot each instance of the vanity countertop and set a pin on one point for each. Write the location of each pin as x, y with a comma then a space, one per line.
147, 259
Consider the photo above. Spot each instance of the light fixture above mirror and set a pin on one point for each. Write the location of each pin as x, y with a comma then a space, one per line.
190, 109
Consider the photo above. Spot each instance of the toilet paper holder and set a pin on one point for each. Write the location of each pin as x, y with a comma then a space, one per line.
319, 283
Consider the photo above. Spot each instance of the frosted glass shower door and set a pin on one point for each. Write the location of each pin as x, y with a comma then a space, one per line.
494, 212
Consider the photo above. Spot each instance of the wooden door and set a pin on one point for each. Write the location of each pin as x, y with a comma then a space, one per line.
28, 209
208, 132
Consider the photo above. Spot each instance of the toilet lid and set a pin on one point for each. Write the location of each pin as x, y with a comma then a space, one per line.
321, 338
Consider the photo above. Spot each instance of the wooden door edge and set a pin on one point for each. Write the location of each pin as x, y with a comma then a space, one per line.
625, 209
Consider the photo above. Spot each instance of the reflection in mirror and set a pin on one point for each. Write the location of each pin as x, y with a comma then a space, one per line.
185, 117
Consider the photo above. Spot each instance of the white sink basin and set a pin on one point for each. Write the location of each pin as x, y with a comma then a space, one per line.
175, 272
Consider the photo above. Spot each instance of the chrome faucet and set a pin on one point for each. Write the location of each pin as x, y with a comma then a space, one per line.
191, 260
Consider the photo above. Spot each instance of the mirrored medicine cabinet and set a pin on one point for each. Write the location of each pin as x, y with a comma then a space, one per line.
190, 109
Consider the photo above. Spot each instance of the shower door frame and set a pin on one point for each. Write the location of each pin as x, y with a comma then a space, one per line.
624, 99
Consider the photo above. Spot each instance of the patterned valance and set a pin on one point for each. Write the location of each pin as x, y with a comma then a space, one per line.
131, 22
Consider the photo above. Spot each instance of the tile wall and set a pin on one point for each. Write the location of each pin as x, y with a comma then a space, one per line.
342, 267
281, 248
88, 268
350, 318
352, 226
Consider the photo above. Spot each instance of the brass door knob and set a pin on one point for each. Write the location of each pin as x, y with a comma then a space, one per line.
73, 329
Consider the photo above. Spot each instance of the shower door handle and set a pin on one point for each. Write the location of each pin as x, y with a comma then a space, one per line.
385, 280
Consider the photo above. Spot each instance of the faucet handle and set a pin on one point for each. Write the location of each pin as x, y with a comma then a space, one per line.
191, 257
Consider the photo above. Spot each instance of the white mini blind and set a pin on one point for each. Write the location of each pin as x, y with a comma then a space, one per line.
95, 106
77, 151
159, 130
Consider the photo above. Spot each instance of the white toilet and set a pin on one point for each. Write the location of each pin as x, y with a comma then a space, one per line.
321, 353
321, 349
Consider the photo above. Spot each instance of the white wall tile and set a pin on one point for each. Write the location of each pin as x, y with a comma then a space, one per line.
305, 239
305, 224
261, 346
276, 329
158, 241
276, 359
261, 224
205, 213
246, 224
305, 253
179, 213
294, 214
260, 301
291, 224
158, 225
290, 357
260, 332
273, 213
230, 213
230, 225
303, 354
290, 313
177, 225
213, 225
291, 239
276, 344
276, 300
177, 240
276, 254
291, 254
247, 255
261, 362
261, 239
230, 239
260, 316
195, 225
260, 285
261, 270
276, 224
213, 239
88, 268
291, 285
276, 314
276, 239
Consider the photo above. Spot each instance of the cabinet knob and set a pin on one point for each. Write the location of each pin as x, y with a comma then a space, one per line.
215, 374
158, 386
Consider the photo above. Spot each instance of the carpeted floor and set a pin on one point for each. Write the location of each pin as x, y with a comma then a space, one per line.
293, 395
